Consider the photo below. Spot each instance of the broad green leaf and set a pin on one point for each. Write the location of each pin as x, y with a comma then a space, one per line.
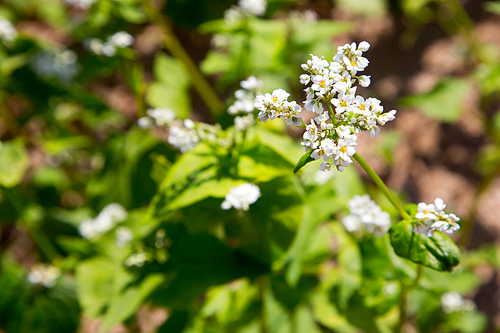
197, 262
98, 281
492, 7
306, 158
437, 252
171, 88
126, 303
444, 102
14, 161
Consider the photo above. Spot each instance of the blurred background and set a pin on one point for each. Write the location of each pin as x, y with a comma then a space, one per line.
70, 98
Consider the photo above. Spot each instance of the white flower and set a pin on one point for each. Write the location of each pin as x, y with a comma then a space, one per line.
241, 196
364, 80
161, 117
121, 39
7, 31
433, 218
244, 122
251, 83
43, 274
364, 46
366, 213
123, 236
108, 217
256, 7
453, 302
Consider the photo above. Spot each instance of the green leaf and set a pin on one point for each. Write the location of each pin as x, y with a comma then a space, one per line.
171, 88
14, 161
437, 252
126, 303
444, 102
306, 158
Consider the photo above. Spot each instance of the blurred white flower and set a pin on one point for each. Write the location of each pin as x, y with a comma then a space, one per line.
7, 31
241, 197
365, 212
62, 65
43, 274
123, 236
433, 218
106, 220
83, 4
453, 302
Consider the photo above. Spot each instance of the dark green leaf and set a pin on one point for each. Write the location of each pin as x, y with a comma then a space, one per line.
437, 252
306, 158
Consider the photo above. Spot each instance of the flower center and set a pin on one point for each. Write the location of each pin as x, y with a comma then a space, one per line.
343, 103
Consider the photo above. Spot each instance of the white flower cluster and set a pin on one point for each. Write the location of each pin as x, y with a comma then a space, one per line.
244, 104
365, 213
241, 197
137, 259
185, 134
43, 274
119, 40
108, 217
244, 9
245, 98
332, 134
432, 217
453, 302
309, 16
276, 105
7, 31
62, 65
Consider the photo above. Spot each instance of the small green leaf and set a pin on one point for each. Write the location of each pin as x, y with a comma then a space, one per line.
14, 161
306, 158
437, 252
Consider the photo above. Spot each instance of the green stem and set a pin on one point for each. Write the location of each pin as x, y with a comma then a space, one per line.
171, 42
381, 185
403, 301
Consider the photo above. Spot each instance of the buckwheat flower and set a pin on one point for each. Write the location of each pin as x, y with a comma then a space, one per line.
433, 218
364, 80
325, 166
251, 83
242, 123
256, 7
182, 137
43, 274
123, 236
343, 103
365, 213
304, 79
108, 217
121, 39
7, 31
137, 259
108, 49
344, 150
241, 197
161, 117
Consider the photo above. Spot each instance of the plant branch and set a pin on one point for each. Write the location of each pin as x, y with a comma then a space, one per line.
381, 185
171, 43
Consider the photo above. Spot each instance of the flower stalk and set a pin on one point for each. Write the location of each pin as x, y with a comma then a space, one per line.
172, 44
381, 185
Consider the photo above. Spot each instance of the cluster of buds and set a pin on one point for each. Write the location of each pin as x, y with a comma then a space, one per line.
432, 218
366, 214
